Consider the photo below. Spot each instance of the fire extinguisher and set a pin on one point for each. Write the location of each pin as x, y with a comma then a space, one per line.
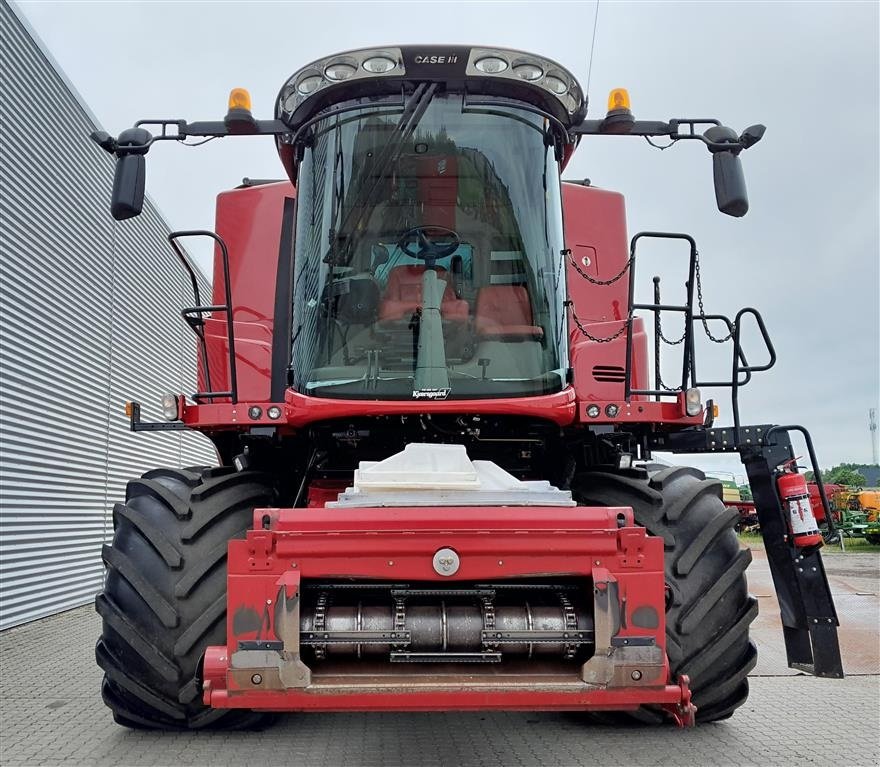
795, 499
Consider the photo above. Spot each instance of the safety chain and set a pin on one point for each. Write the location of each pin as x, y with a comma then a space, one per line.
660, 382
628, 321
665, 339
589, 335
703, 311
593, 280
571, 624
321, 624
488, 609
580, 326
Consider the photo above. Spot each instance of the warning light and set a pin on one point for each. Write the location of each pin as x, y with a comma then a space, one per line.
618, 99
239, 120
715, 411
129, 408
239, 98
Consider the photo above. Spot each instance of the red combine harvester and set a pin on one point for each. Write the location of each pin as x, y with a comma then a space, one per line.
428, 383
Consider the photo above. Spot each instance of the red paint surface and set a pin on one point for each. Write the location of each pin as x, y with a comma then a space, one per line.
250, 221
398, 544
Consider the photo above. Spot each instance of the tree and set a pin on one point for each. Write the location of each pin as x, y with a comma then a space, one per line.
745, 492
844, 475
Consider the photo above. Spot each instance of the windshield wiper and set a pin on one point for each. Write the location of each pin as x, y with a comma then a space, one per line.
361, 207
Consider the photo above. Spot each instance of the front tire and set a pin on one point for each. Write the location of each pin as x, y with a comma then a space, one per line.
164, 597
708, 608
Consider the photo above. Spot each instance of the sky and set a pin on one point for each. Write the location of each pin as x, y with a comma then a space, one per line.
807, 255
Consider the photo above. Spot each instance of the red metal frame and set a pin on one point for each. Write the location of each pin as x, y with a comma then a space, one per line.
290, 546
300, 410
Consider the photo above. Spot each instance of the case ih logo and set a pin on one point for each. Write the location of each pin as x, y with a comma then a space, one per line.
436, 59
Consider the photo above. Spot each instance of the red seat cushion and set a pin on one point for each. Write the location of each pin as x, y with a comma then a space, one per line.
403, 295
504, 311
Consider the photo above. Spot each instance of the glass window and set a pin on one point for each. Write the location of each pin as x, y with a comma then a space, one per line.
428, 255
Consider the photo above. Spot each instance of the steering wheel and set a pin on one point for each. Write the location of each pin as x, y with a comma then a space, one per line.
428, 238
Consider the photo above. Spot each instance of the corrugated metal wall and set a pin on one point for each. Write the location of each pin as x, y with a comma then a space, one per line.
88, 319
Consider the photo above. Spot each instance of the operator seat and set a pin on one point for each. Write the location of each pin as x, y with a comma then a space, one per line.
403, 295
503, 312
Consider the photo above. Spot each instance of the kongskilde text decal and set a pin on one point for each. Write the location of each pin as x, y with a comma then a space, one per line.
432, 393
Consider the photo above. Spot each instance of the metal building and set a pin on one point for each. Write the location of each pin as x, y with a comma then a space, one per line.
88, 319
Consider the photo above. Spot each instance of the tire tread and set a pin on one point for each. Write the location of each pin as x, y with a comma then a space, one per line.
164, 598
710, 611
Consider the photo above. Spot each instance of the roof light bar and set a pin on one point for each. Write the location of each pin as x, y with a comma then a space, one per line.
476, 70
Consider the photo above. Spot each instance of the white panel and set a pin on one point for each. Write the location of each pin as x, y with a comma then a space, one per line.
88, 319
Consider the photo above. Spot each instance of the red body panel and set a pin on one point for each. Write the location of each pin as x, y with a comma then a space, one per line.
595, 231
293, 546
250, 221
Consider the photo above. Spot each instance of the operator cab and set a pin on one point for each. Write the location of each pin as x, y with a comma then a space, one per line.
428, 244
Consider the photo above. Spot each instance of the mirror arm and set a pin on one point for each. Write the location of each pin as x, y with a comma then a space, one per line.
634, 128
673, 129
179, 130
220, 128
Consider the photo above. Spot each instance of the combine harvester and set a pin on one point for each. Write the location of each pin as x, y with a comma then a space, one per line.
427, 380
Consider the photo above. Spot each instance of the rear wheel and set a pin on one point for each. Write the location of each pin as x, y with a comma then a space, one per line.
709, 608
164, 598
873, 538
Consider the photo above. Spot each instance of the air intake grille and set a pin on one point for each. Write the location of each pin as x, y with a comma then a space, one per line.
609, 373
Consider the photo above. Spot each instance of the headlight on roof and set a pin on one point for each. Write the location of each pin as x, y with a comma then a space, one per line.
555, 84
528, 72
309, 84
490, 65
340, 70
379, 65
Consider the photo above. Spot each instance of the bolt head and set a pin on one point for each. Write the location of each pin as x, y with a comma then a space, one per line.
636, 675
256, 679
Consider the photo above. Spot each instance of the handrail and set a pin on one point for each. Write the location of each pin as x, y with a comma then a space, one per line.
193, 316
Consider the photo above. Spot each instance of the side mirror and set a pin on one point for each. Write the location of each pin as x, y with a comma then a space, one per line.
730, 183
131, 173
128, 186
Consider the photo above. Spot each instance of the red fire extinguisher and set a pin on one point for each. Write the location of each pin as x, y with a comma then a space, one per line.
796, 502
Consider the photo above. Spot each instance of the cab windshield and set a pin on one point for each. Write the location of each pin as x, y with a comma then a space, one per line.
428, 254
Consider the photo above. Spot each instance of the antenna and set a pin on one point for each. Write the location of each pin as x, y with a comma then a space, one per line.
592, 51
872, 427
